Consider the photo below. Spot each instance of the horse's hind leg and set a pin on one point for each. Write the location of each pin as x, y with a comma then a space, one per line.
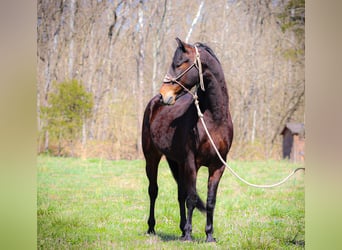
189, 183
152, 161
213, 182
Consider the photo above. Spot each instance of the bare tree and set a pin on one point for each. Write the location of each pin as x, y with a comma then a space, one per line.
140, 70
194, 22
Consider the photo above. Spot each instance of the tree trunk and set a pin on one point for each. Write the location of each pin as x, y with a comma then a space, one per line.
71, 35
194, 22
84, 139
140, 68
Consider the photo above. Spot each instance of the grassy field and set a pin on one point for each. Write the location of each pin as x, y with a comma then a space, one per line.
100, 204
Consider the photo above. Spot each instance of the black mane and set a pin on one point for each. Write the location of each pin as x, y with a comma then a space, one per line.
208, 49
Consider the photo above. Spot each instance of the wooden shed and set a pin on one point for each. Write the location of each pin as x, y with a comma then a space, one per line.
293, 141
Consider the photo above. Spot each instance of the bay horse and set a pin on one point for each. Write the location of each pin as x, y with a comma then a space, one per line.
171, 128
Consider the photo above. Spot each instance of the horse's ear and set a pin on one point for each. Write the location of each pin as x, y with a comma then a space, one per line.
181, 44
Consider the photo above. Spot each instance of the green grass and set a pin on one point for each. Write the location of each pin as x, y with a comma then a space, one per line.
100, 204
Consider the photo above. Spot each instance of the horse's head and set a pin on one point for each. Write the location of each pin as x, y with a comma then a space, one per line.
182, 75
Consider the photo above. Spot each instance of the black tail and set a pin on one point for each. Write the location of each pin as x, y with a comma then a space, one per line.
200, 205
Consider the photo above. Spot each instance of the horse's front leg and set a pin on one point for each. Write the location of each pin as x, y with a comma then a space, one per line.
215, 175
182, 212
152, 173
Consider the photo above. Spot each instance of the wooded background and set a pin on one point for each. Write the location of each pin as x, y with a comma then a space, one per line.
120, 51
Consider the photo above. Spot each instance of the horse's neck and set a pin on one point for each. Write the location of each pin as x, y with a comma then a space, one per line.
216, 98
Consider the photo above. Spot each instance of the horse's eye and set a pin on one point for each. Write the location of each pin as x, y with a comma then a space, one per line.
178, 64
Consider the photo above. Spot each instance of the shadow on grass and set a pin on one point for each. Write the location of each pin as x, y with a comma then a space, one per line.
297, 242
300, 243
167, 237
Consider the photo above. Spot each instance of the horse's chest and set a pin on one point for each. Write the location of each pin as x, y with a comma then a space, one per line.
171, 137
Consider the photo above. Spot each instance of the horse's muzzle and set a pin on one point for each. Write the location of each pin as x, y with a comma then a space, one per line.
167, 99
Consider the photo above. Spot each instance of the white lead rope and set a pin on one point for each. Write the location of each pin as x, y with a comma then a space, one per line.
200, 115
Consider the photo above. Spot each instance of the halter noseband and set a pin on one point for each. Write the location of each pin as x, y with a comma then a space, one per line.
198, 65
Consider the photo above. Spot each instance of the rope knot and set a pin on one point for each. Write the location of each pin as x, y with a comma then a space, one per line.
199, 112
199, 65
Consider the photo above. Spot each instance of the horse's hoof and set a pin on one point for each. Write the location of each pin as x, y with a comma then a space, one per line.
186, 238
211, 239
151, 231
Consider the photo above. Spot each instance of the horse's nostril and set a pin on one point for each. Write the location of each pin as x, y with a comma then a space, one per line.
169, 100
